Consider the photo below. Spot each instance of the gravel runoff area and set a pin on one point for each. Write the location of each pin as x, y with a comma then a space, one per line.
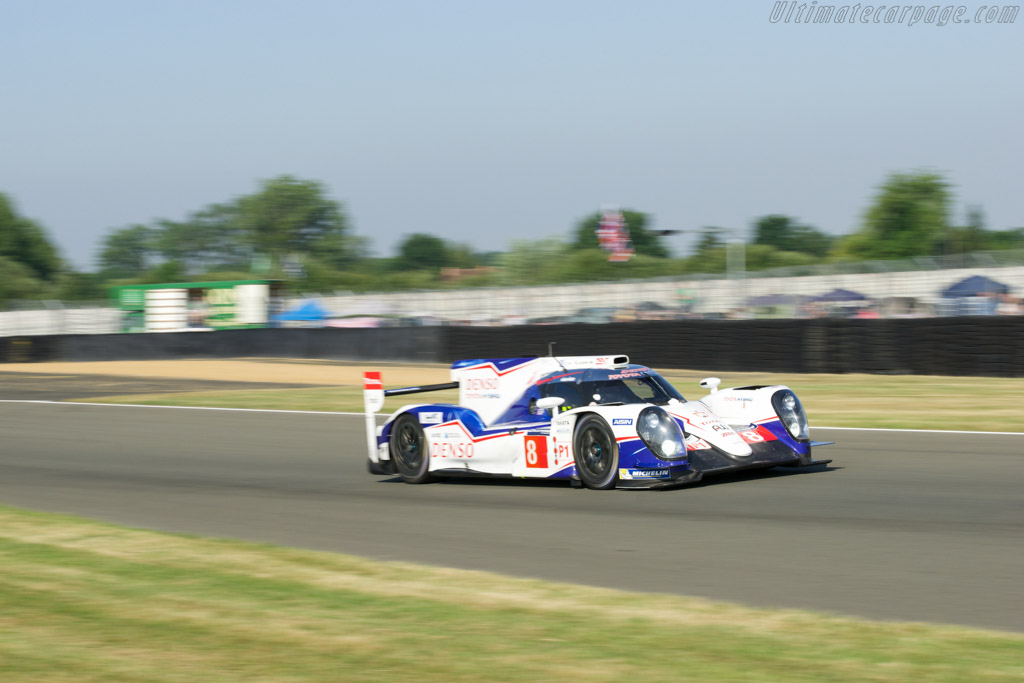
62, 381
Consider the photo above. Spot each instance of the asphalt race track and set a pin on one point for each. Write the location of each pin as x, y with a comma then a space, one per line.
908, 526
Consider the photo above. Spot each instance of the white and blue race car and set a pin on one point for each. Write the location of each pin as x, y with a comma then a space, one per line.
596, 421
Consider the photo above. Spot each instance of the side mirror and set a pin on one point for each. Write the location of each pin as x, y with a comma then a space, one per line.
549, 402
710, 383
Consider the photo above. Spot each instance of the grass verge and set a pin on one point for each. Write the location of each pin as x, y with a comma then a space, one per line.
898, 402
85, 601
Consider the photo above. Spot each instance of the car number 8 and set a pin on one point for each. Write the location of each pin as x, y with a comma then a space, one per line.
536, 451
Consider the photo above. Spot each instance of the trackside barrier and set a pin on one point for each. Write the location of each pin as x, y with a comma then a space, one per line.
976, 345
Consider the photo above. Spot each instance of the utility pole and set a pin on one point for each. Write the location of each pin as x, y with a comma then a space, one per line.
735, 260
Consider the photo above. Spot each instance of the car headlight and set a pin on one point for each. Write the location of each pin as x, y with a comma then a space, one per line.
661, 434
787, 407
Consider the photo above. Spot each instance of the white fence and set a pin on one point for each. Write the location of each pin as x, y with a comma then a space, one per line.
60, 321
516, 304
706, 295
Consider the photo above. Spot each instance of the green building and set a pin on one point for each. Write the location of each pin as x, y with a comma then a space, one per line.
180, 306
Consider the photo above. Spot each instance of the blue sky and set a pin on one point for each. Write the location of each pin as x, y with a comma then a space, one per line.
483, 122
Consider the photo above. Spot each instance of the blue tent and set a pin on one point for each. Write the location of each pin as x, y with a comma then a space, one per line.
973, 286
841, 295
308, 310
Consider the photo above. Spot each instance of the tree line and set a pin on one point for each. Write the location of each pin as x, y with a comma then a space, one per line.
290, 228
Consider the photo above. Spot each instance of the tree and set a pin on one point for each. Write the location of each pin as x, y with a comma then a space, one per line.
1005, 239
23, 241
74, 286
289, 215
710, 253
969, 238
128, 252
288, 219
18, 281
208, 239
420, 251
786, 234
974, 234
909, 217
710, 241
533, 263
645, 242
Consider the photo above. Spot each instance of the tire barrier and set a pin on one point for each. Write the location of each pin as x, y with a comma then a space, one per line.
972, 346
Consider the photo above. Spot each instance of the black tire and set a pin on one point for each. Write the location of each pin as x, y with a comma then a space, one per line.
409, 450
596, 453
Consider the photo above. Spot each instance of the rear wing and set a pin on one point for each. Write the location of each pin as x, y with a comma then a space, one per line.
374, 394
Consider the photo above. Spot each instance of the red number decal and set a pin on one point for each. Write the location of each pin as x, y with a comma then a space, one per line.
756, 435
536, 451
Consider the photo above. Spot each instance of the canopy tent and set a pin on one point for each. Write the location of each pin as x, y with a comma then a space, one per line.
840, 295
308, 310
973, 286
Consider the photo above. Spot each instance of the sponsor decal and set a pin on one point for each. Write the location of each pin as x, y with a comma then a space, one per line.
536, 451
739, 398
372, 380
440, 449
703, 420
694, 443
622, 421
643, 474
431, 418
481, 384
627, 374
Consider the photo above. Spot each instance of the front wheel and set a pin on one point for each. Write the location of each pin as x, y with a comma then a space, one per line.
409, 450
596, 453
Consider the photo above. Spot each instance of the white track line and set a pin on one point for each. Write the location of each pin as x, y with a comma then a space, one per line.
329, 412
140, 405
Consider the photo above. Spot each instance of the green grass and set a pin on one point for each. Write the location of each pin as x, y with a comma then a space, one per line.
906, 401
84, 601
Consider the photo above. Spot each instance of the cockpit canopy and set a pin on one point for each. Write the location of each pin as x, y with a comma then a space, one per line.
631, 384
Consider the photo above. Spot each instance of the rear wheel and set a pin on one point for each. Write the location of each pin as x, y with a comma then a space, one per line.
596, 453
409, 450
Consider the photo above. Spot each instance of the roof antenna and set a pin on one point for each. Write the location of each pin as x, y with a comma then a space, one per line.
551, 354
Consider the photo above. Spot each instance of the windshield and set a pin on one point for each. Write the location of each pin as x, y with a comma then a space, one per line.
648, 388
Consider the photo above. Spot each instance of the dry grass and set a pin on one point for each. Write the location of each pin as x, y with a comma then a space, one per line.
88, 601
906, 401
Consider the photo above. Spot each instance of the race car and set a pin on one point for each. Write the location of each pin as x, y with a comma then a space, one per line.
595, 421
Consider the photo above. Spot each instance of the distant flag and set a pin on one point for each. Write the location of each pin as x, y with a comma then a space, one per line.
613, 235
